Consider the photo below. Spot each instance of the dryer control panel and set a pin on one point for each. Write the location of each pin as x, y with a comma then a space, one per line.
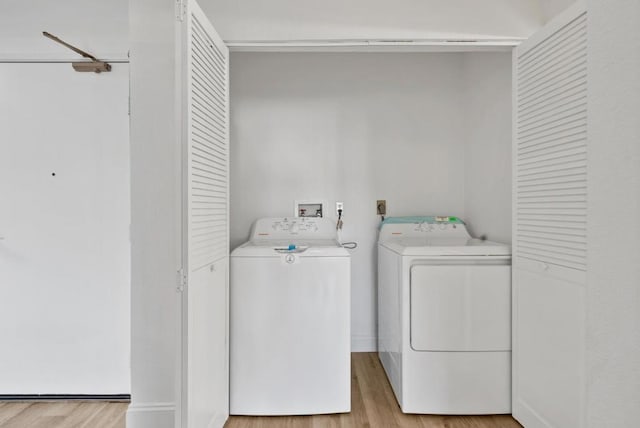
279, 228
424, 227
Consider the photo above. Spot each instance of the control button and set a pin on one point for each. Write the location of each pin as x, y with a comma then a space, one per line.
294, 228
290, 258
426, 227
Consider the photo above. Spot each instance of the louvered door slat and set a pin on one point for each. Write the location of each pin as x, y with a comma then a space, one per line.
549, 90
568, 66
538, 170
552, 112
563, 97
566, 33
546, 156
208, 152
555, 57
551, 150
567, 137
568, 90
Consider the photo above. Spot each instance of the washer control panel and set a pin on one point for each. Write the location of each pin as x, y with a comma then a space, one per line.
293, 227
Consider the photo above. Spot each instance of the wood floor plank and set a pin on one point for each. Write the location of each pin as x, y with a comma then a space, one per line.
377, 408
82, 415
29, 416
10, 409
62, 414
108, 416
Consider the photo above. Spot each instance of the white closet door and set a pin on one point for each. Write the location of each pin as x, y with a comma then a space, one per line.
64, 230
205, 78
550, 221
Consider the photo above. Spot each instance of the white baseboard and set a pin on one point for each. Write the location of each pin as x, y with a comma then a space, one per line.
218, 421
364, 344
151, 415
527, 417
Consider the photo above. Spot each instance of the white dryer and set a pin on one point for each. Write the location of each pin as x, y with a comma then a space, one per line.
444, 317
290, 320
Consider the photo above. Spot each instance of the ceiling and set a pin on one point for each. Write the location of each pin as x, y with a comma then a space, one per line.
256, 20
102, 27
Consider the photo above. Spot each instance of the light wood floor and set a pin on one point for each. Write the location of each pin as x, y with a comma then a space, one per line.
372, 405
62, 414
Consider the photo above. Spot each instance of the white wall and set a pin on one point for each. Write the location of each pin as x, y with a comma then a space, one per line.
373, 19
487, 126
356, 128
96, 26
155, 216
64, 216
613, 296
552, 8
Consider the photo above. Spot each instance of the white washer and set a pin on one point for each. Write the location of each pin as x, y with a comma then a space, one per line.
444, 317
290, 320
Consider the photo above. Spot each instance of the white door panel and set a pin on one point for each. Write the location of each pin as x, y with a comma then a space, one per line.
208, 383
205, 79
64, 217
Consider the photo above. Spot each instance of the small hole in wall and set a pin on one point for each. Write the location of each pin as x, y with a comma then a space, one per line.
53, 174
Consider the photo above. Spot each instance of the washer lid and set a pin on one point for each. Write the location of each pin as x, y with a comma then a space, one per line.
446, 247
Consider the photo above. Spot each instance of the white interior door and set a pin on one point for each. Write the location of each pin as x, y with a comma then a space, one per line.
550, 224
205, 77
64, 228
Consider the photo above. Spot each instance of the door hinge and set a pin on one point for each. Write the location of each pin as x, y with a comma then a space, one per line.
181, 9
181, 280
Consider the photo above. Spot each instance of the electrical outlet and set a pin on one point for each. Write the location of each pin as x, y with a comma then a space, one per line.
339, 206
381, 207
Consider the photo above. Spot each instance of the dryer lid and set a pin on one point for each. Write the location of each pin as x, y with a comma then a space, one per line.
435, 236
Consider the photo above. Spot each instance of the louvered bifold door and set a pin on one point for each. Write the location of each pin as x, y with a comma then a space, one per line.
551, 156
550, 223
205, 145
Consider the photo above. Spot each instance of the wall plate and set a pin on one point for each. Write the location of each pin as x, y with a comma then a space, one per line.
309, 208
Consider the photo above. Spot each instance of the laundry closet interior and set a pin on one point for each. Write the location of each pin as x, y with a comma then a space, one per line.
429, 132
